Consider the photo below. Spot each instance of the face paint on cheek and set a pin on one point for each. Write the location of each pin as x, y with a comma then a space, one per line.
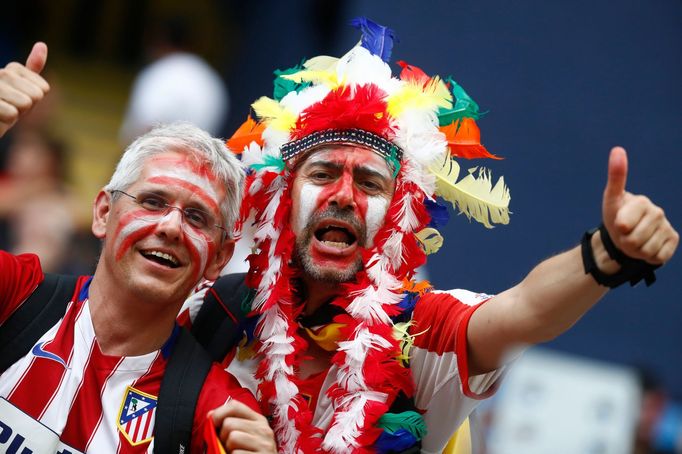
130, 231
374, 218
199, 251
307, 203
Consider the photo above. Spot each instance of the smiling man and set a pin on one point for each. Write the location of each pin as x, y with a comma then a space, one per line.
92, 381
350, 353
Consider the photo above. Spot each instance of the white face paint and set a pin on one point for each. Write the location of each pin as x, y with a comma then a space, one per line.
307, 205
374, 218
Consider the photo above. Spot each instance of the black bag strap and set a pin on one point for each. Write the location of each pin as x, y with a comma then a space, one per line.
41, 310
219, 324
186, 371
216, 329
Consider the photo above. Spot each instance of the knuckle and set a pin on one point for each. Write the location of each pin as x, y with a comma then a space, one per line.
642, 200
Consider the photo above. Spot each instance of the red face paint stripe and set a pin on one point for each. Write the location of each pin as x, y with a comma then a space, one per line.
203, 170
198, 191
130, 217
133, 238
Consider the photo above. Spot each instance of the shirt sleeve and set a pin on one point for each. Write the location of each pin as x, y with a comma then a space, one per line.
438, 359
19, 277
218, 388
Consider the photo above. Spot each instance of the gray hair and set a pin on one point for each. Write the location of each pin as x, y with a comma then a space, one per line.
189, 139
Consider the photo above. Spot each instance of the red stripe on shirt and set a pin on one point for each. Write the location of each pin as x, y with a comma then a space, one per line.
86, 410
32, 399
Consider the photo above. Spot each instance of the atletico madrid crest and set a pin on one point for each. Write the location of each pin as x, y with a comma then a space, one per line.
137, 415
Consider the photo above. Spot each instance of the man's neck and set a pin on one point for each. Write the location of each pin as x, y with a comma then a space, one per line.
125, 325
317, 293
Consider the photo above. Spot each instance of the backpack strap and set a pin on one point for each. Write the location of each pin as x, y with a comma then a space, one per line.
219, 324
41, 310
186, 371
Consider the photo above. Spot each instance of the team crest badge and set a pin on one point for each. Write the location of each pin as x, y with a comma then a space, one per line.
137, 415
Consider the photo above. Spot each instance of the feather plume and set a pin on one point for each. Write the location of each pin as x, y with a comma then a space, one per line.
376, 38
464, 106
473, 196
248, 132
321, 63
273, 114
362, 107
412, 73
464, 140
283, 85
307, 76
416, 95
360, 67
430, 240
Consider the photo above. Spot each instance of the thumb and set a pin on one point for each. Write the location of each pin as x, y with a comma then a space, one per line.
617, 177
37, 58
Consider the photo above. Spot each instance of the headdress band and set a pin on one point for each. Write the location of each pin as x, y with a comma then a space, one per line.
388, 150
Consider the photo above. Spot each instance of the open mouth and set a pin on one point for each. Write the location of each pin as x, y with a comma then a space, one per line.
161, 258
335, 236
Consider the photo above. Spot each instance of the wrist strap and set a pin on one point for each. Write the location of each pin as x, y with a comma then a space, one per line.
632, 270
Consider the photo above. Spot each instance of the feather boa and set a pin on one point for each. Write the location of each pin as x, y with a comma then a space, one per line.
369, 373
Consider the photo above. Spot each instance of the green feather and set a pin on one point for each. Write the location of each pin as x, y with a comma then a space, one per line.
464, 106
393, 160
270, 161
284, 86
408, 420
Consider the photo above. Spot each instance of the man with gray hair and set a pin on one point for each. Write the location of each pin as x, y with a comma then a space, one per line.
93, 379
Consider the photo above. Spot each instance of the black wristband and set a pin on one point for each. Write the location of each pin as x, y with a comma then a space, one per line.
632, 270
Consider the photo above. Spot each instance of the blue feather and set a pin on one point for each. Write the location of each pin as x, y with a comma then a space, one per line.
398, 441
439, 213
375, 38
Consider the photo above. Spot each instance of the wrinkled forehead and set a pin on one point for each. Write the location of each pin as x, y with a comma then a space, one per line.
347, 155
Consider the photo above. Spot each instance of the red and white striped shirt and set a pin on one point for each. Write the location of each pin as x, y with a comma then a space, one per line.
66, 396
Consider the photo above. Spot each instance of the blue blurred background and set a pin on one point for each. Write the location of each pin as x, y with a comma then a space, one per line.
563, 82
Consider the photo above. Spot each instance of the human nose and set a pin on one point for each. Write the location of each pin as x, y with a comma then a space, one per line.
343, 195
170, 225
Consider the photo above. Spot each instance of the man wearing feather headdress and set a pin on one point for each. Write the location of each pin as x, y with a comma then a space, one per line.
350, 353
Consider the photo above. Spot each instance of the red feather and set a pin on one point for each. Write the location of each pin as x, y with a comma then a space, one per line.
349, 107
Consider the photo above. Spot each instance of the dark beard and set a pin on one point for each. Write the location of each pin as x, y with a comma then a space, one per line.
303, 243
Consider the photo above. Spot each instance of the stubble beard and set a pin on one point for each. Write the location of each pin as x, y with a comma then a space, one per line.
331, 275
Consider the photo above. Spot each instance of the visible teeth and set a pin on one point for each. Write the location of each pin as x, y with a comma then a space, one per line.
165, 256
336, 244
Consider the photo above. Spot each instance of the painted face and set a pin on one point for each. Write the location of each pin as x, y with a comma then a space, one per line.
340, 197
161, 250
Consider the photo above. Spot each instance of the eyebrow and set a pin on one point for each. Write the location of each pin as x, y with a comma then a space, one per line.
359, 169
193, 202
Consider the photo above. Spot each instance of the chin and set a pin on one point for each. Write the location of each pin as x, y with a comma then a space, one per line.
330, 273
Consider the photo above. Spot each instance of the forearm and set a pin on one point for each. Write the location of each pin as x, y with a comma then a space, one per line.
555, 295
549, 300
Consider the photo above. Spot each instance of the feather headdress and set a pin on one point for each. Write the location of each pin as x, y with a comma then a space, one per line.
420, 125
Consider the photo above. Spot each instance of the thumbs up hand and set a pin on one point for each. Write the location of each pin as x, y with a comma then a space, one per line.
21, 87
637, 227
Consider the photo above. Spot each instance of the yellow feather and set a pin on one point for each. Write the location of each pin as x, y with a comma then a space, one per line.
473, 196
273, 114
413, 95
318, 74
405, 339
430, 240
321, 63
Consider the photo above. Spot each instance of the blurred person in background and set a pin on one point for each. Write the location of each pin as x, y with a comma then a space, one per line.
37, 210
178, 85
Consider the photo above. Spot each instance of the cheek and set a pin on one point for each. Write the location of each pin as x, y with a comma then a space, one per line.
199, 251
308, 200
130, 230
374, 217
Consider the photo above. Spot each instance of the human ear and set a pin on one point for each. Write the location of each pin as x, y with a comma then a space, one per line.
100, 214
223, 255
